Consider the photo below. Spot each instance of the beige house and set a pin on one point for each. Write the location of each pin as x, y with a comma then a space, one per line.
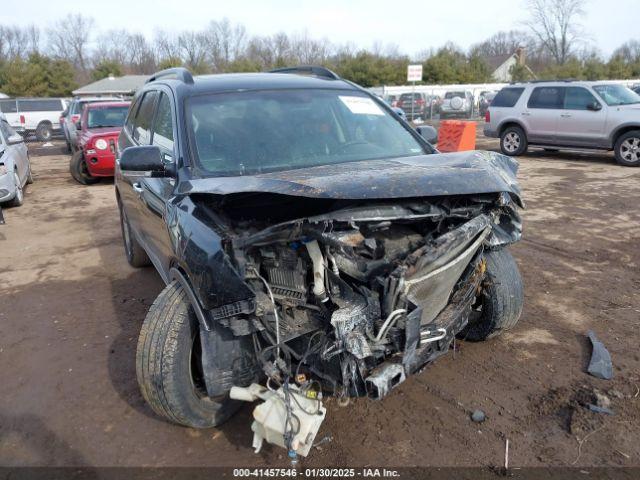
501, 65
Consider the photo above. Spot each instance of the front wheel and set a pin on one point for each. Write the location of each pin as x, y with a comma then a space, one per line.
169, 366
79, 171
627, 149
513, 141
18, 199
499, 306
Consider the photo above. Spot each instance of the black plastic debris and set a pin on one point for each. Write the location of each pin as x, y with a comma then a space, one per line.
600, 365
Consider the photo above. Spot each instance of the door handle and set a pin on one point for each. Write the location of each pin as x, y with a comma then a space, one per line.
565, 115
525, 114
137, 188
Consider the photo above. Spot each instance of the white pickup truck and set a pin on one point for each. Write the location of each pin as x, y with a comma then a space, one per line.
34, 115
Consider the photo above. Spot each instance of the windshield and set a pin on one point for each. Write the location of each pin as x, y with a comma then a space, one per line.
450, 95
615, 95
106, 116
246, 133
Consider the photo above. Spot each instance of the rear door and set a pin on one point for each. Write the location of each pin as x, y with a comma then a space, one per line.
542, 114
157, 192
583, 119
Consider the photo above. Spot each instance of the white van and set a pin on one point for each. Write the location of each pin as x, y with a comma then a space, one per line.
34, 115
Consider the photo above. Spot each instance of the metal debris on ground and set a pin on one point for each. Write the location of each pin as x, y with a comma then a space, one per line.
600, 365
597, 409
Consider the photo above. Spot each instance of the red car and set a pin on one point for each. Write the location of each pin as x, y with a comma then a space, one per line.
98, 127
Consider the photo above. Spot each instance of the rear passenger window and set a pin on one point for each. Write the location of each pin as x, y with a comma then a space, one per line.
163, 130
507, 97
8, 106
142, 124
40, 105
578, 98
546, 97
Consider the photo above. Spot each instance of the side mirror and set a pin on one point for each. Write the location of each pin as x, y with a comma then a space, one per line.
429, 133
144, 161
15, 139
594, 106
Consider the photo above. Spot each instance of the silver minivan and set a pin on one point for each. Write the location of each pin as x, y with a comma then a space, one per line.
567, 114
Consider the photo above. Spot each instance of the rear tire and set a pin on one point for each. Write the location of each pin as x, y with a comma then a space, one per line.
79, 171
136, 255
513, 141
627, 149
44, 132
500, 305
168, 341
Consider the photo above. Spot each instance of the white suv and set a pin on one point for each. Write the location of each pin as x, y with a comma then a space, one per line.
567, 114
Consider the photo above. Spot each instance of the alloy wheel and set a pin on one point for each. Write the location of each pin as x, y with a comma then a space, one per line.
630, 149
511, 142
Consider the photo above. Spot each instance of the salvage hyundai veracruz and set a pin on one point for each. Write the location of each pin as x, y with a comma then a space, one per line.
312, 244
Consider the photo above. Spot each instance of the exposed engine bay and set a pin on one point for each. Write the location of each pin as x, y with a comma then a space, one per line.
357, 299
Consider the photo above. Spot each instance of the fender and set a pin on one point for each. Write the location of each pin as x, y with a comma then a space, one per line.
175, 274
625, 126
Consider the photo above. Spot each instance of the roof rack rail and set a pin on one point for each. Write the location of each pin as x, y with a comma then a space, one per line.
180, 73
565, 80
308, 70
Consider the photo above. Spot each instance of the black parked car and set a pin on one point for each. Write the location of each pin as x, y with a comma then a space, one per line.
306, 235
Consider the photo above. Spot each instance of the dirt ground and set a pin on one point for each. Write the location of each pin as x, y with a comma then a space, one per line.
71, 309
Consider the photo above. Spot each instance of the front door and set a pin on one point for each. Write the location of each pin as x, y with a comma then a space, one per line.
157, 192
582, 120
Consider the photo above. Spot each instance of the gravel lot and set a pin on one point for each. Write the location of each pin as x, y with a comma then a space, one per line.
71, 309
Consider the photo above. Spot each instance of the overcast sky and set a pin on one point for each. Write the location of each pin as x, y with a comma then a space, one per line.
412, 25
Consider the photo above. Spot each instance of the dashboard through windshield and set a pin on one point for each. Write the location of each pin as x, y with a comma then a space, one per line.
245, 133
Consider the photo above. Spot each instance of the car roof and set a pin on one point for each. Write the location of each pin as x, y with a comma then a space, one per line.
228, 82
96, 105
564, 83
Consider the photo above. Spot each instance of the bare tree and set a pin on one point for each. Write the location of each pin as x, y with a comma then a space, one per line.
193, 50
13, 43
628, 51
69, 40
226, 42
555, 25
165, 46
502, 43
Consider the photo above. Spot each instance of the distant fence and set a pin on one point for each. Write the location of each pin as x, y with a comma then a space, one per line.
474, 88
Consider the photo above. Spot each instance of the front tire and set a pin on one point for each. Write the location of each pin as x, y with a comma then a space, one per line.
18, 199
627, 149
167, 349
499, 306
513, 141
79, 171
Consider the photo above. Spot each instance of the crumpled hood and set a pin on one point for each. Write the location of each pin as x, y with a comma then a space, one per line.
459, 173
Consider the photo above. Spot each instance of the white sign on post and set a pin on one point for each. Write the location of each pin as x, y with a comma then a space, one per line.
414, 73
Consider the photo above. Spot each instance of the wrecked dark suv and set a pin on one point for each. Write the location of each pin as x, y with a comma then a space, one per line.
311, 241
